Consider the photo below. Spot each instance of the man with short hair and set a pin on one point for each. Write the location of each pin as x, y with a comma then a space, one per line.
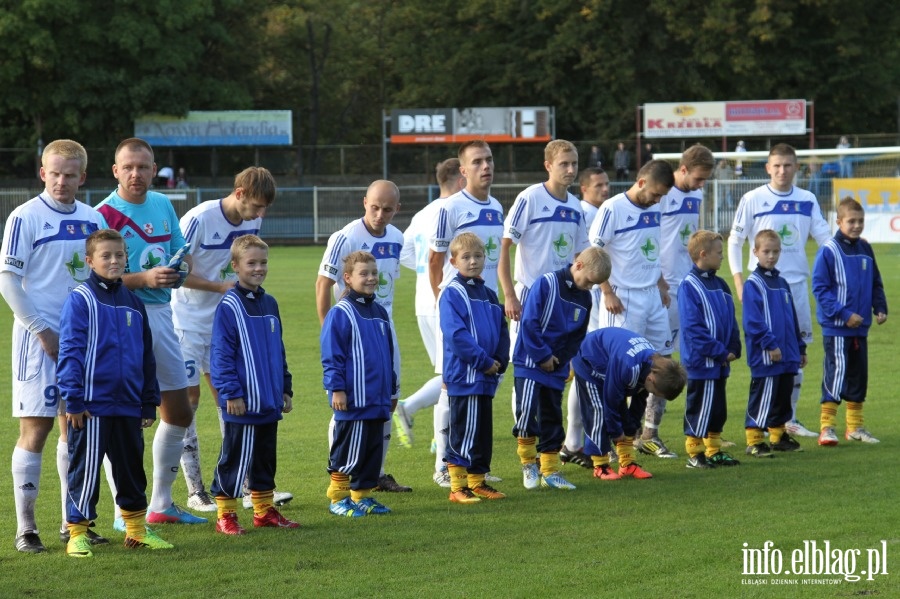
149, 225
636, 295
795, 215
43, 259
415, 256
375, 234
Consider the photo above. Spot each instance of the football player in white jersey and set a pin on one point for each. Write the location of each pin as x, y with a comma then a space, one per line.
546, 225
43, 259
375, 234
679, 218
210, 228
594, 184
415, 256
795, 215
637, 295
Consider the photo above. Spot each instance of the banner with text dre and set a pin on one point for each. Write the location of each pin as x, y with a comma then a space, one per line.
729, 119
217, 128
456, 125
880, 197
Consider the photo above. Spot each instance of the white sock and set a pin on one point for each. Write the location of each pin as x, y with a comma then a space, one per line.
426, 396
388, 429
26, 477
62, 468
795, 394
107, 468
167, 445
190, 459
441, 429
574, 425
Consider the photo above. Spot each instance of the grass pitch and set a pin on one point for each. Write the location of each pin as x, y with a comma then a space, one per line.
681, 534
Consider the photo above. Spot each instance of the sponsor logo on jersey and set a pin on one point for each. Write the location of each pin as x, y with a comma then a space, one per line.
515, 233
365, 246
789, 235
216, 235
385, 285
685, 234
77, 268
562, 245
545, 209
329, 269
128, 234
47, 226
228, 272
650, 250
14, 262
152, 256
491, 249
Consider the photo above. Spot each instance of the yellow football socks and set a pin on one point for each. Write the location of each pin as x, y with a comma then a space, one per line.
625, 451
600, 460
693, 445
459, 478
713, 443
358, 495
135, 526
339, 487
854, 415
775, 433
77, 529
526, 450
549, 462
828, 415
262, 501
475, 480
754, 436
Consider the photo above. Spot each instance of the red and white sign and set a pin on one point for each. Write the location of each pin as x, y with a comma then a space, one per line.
717, 119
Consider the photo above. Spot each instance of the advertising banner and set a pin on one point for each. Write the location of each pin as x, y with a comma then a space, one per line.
218, 128
731, 119
455, 125
880, 197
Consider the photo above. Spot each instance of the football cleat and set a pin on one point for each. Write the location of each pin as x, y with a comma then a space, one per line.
273, 518
796, 428
786, 443
345, 507
568, 456
464, 495
828, 437
371, 506
442, 478
634, 470
174, 515
605, 472
485, 491
698, 461
760, 450
29, 542
279, 499
93, 537
150, 541
722, 459
228, 524
80, 546
531, 476
403, 425
556, 481
389, 484
654, 446
201, 502
860, 434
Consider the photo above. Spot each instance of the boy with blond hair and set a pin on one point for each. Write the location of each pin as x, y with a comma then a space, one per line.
710, 341
250, 374
848, 290
554, 322
358, 346
476, 353
775, 349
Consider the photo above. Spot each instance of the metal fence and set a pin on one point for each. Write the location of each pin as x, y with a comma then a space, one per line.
311, 214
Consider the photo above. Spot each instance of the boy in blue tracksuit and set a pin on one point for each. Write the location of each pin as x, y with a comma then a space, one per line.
107, 377
475, 354
775, 350
357, 359
249, 371
710, 341
612, 365
848, 290
554, 322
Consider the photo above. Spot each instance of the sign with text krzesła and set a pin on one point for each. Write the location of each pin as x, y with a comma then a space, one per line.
218, 128
455, 125
716, 119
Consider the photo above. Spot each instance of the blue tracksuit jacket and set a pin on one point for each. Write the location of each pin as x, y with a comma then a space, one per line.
709, 329
247, 358
770, 322
475, 334
846, 280
357, 357
106, 363
554, 322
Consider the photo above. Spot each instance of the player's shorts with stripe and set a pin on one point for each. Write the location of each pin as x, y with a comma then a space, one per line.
170, 372
195, 349
34, 389
705, 407
539, 414
248, 451
769, 404
471, 442
644, 314
357, 451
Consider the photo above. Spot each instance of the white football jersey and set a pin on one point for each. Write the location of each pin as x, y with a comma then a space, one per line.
462, 213
210, 234
795, 215
415, 254
548, 232
386, 250
679, 218
590, 213
630, 235
46, 248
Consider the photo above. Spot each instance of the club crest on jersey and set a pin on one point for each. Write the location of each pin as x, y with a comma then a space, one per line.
148, 228
381, 250
489, 216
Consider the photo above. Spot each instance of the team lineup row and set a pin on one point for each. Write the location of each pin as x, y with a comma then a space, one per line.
643, 238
